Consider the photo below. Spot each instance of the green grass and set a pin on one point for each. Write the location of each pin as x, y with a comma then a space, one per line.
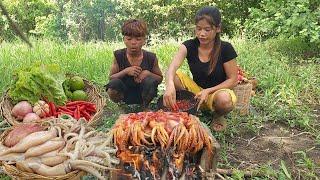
287, 91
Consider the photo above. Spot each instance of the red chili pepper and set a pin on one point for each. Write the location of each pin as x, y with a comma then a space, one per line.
76, 113
183, 105
175, 107
82, 107
66, 112
91, 105
86, 115
71, 108
63, 108
52, 108
74, 103
47, 114
91, 110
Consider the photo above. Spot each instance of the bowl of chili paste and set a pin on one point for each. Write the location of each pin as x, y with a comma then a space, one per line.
185, 102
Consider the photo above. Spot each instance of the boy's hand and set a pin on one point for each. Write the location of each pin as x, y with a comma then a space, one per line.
133, 71
141, 76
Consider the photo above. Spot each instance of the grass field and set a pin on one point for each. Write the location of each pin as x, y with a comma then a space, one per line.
288, 94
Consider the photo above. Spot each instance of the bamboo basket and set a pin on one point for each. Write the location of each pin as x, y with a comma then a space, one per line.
243, 93
94, 96
12, 171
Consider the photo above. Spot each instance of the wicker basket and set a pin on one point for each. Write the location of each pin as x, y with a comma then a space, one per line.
93, 96
15, 173
243, 93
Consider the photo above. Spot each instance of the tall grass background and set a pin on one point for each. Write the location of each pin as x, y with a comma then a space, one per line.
288, 89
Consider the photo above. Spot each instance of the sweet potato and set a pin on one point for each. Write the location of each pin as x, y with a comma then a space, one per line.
19, 132
31, 140
44, 148
44, 170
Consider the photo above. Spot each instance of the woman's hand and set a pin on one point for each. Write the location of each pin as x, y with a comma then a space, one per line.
169, 97
133, 71
142, 76
202, 97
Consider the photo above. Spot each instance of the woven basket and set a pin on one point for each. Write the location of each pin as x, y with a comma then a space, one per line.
15, 173
243, 93
93, 96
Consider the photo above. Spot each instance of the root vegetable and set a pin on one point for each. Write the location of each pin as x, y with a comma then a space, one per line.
3, 147
50, 154
44, 148
31, 140
19, 132
58, 170
23, 166
54, 160
12, 157
21, 109
31, 117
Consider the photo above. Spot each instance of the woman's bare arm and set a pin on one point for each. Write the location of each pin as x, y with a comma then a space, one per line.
175, 64
169, 97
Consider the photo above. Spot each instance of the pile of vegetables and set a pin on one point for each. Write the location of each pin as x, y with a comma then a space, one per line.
37, 83
242, 76
59, 147
42, 91
25, 112
78, 109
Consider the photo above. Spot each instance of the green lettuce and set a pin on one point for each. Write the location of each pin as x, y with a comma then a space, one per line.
39, 82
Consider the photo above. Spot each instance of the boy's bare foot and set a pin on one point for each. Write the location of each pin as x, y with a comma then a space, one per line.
218, 124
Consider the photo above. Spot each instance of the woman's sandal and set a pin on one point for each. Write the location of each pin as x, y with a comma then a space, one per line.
219, 124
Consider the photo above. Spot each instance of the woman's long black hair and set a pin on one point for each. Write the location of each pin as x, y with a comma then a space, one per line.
213, 17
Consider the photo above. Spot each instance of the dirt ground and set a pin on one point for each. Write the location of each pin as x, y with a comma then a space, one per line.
274, 143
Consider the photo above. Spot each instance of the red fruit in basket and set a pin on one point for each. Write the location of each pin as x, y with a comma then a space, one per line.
240, 78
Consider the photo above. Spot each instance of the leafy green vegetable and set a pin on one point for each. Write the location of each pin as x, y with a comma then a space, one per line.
39, 82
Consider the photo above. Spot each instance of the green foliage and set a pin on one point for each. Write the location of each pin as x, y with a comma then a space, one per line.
285, 173
234, 14
284, 88
166, 18
305, 162
39, 81
24, 13
78, 20
297, 18
84, 20
285, 91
